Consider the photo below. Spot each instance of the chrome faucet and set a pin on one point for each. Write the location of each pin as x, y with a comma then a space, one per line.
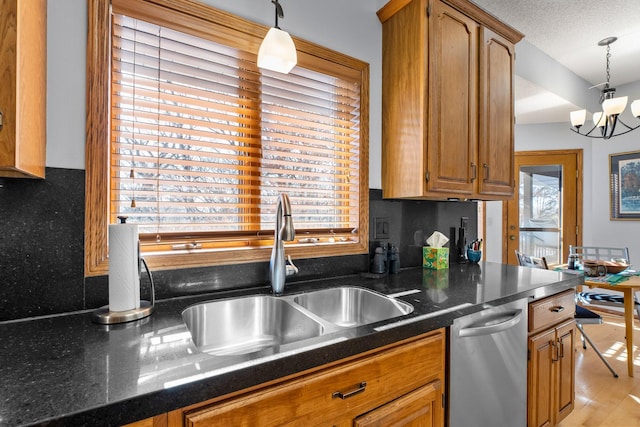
283, 232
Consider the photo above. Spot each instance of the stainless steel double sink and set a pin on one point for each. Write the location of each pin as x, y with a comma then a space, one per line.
245, 325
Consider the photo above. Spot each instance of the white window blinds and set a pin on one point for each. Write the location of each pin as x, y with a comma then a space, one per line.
202, 141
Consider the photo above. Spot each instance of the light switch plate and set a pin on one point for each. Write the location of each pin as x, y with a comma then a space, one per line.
381, 228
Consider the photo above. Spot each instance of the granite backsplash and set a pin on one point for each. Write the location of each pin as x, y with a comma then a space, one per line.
42, 247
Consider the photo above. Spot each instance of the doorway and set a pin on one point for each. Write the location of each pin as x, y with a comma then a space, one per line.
545, 216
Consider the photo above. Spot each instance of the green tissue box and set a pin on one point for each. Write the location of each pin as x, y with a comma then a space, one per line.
435, 258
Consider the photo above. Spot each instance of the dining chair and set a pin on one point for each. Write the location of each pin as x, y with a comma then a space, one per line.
531, 261
582, 315
585, 316
599, 253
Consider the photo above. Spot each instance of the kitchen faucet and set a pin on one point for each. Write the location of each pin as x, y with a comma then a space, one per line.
283, 232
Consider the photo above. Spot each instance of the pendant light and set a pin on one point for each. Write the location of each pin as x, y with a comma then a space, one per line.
277, 51
605, 121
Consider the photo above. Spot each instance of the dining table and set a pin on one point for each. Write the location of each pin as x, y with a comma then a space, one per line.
628, 287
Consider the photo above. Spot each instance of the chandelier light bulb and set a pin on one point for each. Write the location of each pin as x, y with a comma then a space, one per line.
614, 106
578, 118
635, 108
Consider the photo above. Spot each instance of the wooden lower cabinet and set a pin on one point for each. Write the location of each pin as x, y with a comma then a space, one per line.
551, 378
400, 385
157, 421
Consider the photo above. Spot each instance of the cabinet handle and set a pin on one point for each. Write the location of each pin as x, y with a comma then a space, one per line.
474, 168
1, 120
560, 349
485, 169
554, 351
348, 394
557, 309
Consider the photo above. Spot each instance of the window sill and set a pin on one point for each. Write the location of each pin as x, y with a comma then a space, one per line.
208, 258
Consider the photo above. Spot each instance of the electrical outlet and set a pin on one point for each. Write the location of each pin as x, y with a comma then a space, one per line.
381, 228
464, 222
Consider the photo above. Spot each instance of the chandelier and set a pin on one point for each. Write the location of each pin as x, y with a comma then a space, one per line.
605, 121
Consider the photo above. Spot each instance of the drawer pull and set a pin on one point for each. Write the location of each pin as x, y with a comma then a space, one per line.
348, 394
557, 309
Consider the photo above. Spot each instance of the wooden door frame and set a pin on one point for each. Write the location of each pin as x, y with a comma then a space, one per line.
579, 191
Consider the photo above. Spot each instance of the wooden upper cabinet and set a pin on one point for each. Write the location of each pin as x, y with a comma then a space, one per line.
447, 101
23, 29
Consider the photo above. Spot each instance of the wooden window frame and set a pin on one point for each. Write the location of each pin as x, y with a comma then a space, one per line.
98, 137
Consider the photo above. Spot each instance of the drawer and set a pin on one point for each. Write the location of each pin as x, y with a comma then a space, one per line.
312, 399
552, 310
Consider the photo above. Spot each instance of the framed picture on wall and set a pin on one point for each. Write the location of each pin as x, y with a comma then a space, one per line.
624, 183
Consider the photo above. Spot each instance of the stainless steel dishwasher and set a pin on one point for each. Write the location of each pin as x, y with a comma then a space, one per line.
488, 368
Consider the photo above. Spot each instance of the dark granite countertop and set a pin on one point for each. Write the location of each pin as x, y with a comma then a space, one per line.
66, 370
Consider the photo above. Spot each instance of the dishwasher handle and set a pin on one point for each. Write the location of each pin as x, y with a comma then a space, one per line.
491, 328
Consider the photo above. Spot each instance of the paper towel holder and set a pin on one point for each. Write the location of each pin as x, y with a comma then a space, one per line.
104, 316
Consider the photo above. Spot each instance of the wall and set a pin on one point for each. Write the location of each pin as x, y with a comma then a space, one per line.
354, 30
411, 222
41, 232
41, 248
40, 264
598, 228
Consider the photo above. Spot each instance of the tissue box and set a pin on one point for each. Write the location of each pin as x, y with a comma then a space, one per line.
435, 258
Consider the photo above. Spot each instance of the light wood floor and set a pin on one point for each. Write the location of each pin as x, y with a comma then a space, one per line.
601, 399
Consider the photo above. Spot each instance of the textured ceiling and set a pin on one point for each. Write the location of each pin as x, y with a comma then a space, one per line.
569, 31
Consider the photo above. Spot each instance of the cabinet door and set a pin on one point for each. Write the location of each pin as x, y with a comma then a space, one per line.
495, 168
542, 353
420, 408
453, 93
551, 375
565, 370
23, 52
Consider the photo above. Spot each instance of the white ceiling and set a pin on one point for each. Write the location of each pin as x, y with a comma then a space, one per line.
568, 31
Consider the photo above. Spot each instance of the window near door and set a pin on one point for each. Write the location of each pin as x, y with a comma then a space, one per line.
194, 142
540, 209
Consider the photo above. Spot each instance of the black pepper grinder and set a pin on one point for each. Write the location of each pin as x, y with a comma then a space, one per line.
394, 260
453, 251
379, 265
462, 243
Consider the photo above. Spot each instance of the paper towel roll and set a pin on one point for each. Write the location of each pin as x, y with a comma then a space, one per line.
124, 275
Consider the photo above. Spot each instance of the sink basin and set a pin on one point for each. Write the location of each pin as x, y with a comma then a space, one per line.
246, 325
349, 306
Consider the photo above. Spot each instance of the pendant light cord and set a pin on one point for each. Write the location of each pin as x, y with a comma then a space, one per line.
608, 64
279, 12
